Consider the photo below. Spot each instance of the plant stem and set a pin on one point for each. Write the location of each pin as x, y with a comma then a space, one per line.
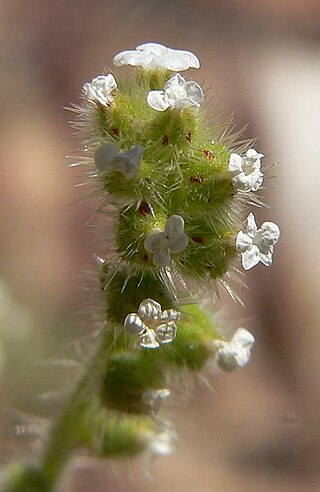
65, 433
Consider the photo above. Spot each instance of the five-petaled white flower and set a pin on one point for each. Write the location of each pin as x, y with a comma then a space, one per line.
100, 89
108, 158
237, 352
257, 244
173, 239
153, 325
177, 94
246, 170
154, 56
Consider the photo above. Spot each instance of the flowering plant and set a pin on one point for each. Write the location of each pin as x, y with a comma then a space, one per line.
177, 190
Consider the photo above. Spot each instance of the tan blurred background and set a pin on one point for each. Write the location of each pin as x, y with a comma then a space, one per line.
259, 429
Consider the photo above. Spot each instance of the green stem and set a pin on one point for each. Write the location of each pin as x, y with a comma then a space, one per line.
65, 433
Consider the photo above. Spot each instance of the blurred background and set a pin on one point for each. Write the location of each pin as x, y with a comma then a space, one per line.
258, 430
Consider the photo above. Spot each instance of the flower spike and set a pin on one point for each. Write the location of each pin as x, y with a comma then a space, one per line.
153, 56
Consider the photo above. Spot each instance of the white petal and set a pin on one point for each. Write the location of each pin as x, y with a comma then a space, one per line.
266, 258
177, 243
178, 60
175, 82
174, 226
250, 257
149, 309
251, 228
148, 340
154, 48
243, 242
257, 180
252, 154
235, 163
157, 100
161, 257
235, 353
194, 92
155, 56
163, 443
135, 155
243, 356
166, 332
181, 94
170, 314
248, 182
243, 337
154, 398
269, 233
227, 359
128, 163
104, 157
152, 242
170, 59
133, 58
100, 88
133, 324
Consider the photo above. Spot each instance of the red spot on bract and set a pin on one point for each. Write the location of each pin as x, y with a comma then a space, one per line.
165, 140
207, 153
116, 131
145, 258
144, 208
196, 179
198, 239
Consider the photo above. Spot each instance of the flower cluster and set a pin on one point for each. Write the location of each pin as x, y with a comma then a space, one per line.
174, 189
151, 324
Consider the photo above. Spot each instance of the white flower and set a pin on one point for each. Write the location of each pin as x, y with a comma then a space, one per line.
108, 158
173, 239
237, 352
153, 325
177, 93
246, 170
257, 244
100, 89
154, 56
162, 443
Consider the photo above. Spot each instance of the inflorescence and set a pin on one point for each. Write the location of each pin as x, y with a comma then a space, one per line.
177, 188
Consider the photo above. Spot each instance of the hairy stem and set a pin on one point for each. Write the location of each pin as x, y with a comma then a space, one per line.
65, 434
